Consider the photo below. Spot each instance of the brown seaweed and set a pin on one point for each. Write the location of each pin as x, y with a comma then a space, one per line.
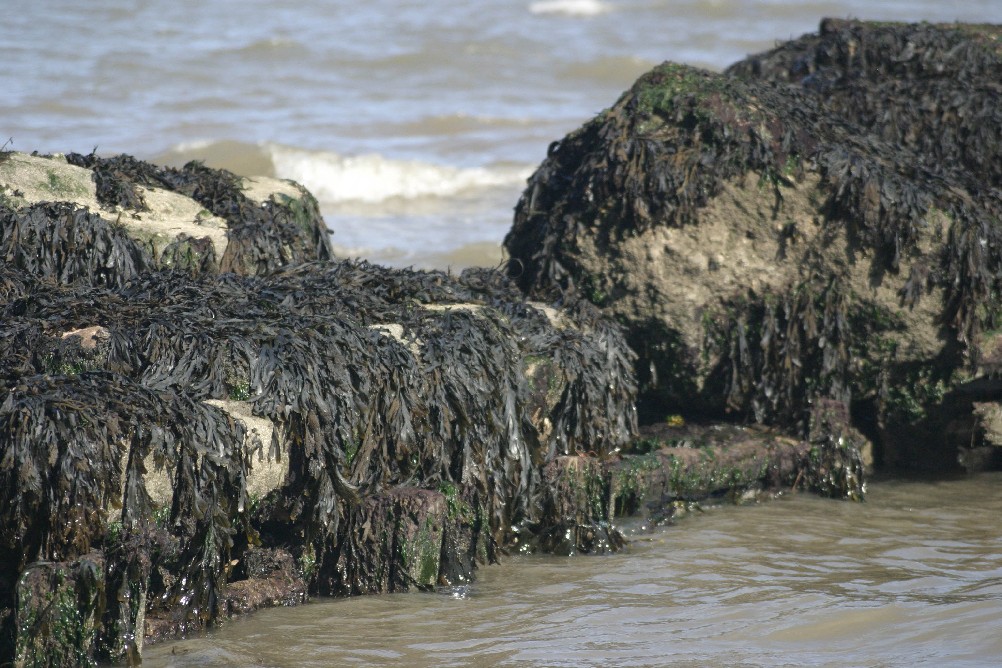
261, 238
69, 244
357, 411
931, 88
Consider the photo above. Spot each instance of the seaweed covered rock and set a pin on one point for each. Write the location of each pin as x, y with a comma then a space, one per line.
396, 417
674, 466
931, 88
767, 249
201, 414
105, 220
74, 454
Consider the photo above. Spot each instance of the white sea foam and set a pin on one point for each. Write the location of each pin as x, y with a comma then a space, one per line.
192, 146
372, 178
570, 7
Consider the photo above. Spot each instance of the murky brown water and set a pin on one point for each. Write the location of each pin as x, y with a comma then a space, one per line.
912, 577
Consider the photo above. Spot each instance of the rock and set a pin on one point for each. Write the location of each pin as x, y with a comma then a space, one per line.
990, 417
840, 455
59, 613
466, 541
117, 217
675, 466
397, 437
273, 580
393, 542
74, 452
576, 509
265, 471
135, 558
769, 245
971, 418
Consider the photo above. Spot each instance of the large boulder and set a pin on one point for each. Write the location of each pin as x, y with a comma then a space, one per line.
821, 222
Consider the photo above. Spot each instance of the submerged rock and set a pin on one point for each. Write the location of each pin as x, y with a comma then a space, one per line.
768, 245
673, 467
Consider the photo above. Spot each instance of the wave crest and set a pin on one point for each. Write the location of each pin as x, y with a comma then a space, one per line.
373, 178
337, 179
570, 7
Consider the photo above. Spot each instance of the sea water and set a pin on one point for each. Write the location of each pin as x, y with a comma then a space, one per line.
414, 122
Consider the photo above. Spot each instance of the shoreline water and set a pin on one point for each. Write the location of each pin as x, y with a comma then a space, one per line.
396, 100
902, 580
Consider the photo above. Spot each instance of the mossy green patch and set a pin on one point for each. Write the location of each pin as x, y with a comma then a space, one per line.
657, 91
57, 615
630, 482
421, 555
63, 186
303, 211
240, 391
457, 509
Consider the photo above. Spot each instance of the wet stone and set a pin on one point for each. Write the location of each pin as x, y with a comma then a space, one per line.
670, 467
58, 613
466, 541
391, 542
576, 509
272, 580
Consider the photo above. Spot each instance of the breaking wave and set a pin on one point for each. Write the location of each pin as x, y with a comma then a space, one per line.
569, 7
374, 178
334, 178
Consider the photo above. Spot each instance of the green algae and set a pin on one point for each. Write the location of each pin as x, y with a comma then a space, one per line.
421, 555
630, 484
457, 508
59, 610
240, 391
62, 187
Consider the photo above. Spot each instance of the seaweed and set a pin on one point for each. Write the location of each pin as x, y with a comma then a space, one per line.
786, 351
70, 244
930, 88
687, 464
116, 179
75, 452
261, 237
